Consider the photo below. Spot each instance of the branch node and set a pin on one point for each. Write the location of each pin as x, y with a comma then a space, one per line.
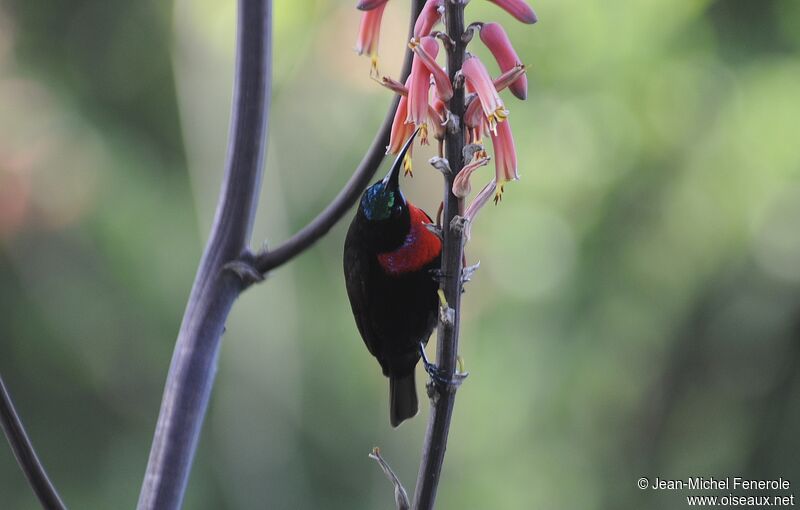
458, 79
459, 225
400, 495
434, 229
451, 124
468, 272
449, 44
469, 151
245, 270
447, 316
441, 164
469, 33
437, 275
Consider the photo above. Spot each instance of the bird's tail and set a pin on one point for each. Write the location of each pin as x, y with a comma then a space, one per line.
402, 399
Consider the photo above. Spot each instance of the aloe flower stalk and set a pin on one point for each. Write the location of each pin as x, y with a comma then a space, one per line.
496, 39
519, 9
480, 111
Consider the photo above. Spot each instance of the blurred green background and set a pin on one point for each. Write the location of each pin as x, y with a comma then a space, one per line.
637, 312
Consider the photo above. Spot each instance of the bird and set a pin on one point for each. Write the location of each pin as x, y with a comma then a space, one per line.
391, 257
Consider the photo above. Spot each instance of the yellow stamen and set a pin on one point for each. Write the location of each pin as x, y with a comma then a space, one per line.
498, 195
423, 134
481, 154
407, 165
373, 69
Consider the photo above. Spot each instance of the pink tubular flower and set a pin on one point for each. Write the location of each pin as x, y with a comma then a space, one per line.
519, 9
505, 154
427, 49
394, 85
477, 204
400, 133
419, 85
400, 129
369, 33
430, 15
368, 5
478, 77
496, 39
461, 184
509, 77
474, 114
436, 117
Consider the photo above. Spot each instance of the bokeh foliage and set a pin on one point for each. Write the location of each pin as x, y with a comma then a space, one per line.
637, 312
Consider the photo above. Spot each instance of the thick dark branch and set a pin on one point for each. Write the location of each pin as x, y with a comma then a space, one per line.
443, 395
269, 259
191, 373
25, 454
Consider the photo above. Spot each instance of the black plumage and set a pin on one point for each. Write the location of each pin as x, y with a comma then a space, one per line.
388, 259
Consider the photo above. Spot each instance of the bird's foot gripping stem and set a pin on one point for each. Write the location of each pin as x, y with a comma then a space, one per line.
440, 377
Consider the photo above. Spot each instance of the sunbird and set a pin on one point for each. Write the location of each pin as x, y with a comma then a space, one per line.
390, 261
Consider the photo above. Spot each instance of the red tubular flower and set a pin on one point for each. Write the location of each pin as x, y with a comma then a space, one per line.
496, 39
427, 49
430, 15
478, 77
369, 33
519, 9
368, 5
505, 154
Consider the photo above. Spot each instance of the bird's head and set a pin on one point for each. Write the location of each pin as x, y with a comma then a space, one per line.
384, 207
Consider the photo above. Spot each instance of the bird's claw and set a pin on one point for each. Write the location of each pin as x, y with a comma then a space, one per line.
440, 377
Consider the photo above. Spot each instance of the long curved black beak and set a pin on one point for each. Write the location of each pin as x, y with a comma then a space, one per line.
392, 179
